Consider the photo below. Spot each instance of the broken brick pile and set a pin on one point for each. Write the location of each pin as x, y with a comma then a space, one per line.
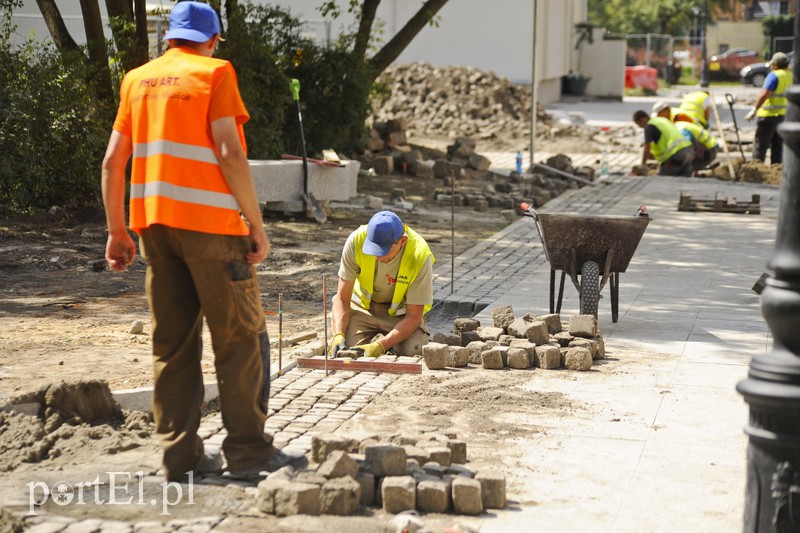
421, 471
518, 343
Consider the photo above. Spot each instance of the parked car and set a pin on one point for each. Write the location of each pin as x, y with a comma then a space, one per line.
755, 73
730, 62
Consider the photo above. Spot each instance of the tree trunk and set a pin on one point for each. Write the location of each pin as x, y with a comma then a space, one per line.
368, 11
55, 24
142, 52
98, 52
399, 42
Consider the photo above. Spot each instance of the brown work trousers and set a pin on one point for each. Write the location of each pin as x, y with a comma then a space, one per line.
191, 275
364, 325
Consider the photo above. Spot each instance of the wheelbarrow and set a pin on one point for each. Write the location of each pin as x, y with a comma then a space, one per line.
592, 249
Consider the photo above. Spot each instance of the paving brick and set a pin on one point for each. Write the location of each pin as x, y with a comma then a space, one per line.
440, 454
563, 338
458, 357
467, 496
338, 464
518, 358
385, 460
553, 322
433, 496
589, 344
537, 333
297, 498
367, 483
490, 333
493, 490
458, 451
468, 337
450, 339
460, 325
502, 317
578, 359
475, 348
583, 326
398, 494
547, 356
325, 443
492, 359
421, 455
435, 355
340, 496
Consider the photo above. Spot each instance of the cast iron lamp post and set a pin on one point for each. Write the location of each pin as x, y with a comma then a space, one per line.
772, 388
705, 77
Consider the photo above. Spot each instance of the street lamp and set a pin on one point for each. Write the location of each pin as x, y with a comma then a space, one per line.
704, 75
772, 387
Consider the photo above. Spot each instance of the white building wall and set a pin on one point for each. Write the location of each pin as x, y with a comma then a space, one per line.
489, 35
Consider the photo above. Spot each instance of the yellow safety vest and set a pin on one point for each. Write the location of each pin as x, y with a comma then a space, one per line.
775, 105
415, 254
671, 141
698, 133
693, 105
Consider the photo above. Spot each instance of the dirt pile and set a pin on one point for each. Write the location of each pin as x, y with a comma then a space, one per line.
456, 101
750, 171
72, 417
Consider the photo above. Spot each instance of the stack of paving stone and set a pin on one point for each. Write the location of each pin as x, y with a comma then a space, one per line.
519, 343
457, 101
421, 470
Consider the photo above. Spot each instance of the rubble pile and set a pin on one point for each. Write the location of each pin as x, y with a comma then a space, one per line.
519, 343
421, 470
750, 171
457, 102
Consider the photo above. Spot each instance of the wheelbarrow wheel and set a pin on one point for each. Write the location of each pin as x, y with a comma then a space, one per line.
590, 288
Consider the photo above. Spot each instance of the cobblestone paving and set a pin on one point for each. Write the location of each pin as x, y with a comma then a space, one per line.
493, 267
307, 402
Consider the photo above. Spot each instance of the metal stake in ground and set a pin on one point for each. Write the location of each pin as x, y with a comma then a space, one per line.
452, 230
325, 318
280, 333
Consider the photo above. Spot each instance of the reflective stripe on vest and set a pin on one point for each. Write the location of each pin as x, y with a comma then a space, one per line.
671, 140
176, 178
415, 253
693, 105
698, 133
775, 105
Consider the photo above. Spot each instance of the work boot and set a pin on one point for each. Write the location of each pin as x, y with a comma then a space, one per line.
276, 461
211, 463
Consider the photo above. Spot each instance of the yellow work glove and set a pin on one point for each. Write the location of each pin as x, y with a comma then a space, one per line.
337, 343
373, 349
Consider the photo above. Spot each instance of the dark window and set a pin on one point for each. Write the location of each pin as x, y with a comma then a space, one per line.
784, 8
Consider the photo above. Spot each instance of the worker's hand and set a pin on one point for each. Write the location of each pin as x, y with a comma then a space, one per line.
259, 244
750, 115
120, 251
337, 343
373, 349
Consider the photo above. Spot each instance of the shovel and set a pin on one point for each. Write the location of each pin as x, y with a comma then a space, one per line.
310, 201
730, 99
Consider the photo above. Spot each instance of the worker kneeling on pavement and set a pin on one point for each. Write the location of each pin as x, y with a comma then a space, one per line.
385, 287
704, 144
665, 142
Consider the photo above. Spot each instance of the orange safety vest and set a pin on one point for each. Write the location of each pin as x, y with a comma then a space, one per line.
176, 179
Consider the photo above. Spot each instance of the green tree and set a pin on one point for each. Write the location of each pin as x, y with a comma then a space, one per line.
672, 17
778, 26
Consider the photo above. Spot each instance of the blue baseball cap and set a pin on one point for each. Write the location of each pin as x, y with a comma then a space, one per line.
193, 21
383, 230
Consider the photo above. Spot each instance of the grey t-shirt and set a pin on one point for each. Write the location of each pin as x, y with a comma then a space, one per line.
420, 291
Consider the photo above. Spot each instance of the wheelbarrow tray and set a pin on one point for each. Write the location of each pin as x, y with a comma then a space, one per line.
571, 240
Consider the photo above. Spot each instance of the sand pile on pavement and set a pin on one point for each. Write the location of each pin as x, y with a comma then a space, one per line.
750, 171
456, 102
74, 418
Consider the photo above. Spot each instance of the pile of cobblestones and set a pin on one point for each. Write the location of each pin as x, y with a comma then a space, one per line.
519, 343
422, 470
457, 102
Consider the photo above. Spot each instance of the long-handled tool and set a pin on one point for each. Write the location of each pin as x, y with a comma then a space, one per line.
722, 137
280, 333
325, 318
311, 202
730, 99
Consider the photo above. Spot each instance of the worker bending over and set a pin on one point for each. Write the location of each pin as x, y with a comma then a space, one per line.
697, 107
665, 142
385, 287
704, 144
